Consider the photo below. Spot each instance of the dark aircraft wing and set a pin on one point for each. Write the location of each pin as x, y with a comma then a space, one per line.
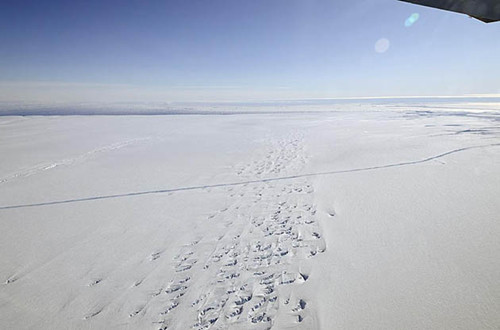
484, 10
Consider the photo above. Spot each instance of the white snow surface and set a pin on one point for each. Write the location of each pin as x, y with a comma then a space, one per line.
325, 220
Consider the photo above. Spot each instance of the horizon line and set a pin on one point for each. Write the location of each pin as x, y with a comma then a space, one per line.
255, 101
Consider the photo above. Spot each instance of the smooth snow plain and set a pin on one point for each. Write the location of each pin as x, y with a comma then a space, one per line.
387, 218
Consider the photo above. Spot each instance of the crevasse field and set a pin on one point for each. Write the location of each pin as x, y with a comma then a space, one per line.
376, 218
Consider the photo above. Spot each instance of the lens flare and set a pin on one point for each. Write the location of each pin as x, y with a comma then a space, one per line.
382, 45
412, 19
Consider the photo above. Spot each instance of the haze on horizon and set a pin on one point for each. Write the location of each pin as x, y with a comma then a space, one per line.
94, 51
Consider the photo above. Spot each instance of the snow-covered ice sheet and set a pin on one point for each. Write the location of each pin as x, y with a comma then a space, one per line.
334, 220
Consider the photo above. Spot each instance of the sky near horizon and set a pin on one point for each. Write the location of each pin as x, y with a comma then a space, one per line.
200, 50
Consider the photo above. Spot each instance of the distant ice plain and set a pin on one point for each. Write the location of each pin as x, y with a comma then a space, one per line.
368, 216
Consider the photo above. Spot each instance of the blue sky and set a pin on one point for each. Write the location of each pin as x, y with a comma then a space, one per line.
198, 50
